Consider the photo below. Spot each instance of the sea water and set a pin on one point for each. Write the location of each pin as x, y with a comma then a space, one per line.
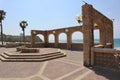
116, 42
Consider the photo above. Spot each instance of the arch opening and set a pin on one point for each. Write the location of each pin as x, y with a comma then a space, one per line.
97, 36
39, 38
62, 38
51, 38
77, 37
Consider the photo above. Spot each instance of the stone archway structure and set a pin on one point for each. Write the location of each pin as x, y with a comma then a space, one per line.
90, 16
68, 31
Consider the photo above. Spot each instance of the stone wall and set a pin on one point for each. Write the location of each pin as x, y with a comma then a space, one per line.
90, 17
73, 46
106, 58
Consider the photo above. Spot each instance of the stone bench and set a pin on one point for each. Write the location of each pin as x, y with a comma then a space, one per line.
29, 50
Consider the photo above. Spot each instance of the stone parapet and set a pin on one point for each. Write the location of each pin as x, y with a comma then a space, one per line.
106, 58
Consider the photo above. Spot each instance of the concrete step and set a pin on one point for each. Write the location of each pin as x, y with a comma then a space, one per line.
35, 56
29, 54
32, 59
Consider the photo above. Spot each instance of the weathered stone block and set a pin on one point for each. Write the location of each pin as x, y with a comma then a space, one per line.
29, 50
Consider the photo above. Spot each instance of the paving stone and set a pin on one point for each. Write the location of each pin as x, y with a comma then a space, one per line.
18, 69
54, 69
57, 69
77, 74
36, 78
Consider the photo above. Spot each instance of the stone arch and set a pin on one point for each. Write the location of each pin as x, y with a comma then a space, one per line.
62, 38
51, 38
41, 37
90, 16
77, 37
34, 33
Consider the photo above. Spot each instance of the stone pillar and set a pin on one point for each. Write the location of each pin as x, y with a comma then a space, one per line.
109, 36
69, 40
112, 35
87, 12
32, 39
56, 40
46, 38
103, 36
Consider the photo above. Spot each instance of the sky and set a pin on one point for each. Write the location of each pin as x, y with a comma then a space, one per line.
53, 14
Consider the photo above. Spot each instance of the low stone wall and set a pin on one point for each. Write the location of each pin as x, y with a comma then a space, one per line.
16, 44
62, 45
26, 44
24, 49
106, 58
12, 44
51, 45
39, 45
77, 46
20, 47
73, 46
29, 50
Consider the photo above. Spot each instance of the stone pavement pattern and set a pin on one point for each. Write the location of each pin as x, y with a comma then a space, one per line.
66, 68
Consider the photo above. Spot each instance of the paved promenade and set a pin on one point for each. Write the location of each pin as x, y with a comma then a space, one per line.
65, 68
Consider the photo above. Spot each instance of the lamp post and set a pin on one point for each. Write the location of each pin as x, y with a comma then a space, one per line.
79, 19
23, 25
2, 16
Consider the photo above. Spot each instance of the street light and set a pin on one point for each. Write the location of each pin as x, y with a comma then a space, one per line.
2, 16
23, 25
79, 19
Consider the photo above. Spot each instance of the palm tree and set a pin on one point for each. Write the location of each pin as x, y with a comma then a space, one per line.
2, 16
